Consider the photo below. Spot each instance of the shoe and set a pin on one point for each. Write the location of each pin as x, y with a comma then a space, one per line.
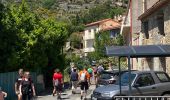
53, 94
81, 97
59, 97
73, 92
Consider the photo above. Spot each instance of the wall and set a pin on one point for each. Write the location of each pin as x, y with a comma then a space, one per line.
156, 38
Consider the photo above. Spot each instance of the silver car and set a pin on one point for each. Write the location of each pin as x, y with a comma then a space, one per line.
143, 83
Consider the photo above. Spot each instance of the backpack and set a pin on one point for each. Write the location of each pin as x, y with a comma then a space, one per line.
83, 76
90, 70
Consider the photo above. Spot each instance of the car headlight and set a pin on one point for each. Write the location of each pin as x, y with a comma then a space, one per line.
105, 94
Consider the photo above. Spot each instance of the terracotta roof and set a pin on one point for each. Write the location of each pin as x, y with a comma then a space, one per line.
98, 22
154, 8
110, 28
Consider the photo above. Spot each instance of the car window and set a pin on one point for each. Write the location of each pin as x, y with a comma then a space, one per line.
163, 77
106, 76
145, 80
125, 79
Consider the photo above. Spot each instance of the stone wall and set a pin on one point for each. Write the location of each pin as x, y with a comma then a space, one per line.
156, 38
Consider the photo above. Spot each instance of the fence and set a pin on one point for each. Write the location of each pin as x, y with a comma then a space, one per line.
142, 97
7, 81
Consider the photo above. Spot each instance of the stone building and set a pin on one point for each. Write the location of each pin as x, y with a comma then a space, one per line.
155, 25
131, 26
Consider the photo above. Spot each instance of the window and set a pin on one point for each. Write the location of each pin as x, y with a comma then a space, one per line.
125, 79
160, 22
146, 29
145, 80
163, 77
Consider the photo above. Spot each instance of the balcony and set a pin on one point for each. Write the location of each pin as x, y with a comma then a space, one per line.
88, 37
91, 49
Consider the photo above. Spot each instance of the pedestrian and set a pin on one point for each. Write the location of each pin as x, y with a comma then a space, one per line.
18, 82
100, 69
2, 94
27, 89
57, 83
95, 73
74, 80
83, 77
70, 70
90, 71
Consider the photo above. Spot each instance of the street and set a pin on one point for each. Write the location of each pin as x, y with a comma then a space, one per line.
67, 95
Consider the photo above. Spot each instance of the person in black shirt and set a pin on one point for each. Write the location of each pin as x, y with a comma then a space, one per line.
74, 80
27, 89
18, 82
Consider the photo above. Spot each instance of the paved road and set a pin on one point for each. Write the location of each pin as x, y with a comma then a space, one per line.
68, 95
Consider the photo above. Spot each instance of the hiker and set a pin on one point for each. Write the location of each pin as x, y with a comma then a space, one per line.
2, 94
100, 69
74, 80
57, 83
90, 71
83, 77
27, 89
70, 70
17, 83
95, 73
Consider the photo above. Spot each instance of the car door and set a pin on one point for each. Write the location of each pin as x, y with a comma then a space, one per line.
144, 85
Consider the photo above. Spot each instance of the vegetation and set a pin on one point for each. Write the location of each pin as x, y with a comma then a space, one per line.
28, 40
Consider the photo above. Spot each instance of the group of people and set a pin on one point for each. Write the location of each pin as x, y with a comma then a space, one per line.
24, 86
84, 78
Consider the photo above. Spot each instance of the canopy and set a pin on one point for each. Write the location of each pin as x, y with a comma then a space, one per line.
139, 51
135, 52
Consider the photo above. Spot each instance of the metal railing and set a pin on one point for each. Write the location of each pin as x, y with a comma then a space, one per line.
142, 97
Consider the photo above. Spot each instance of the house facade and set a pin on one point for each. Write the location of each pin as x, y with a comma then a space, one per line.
155, 26
95, 27
131, 26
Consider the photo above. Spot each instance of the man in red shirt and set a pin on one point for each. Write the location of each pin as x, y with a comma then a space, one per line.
57, 83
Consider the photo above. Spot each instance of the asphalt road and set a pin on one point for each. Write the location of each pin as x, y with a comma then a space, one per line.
67, 95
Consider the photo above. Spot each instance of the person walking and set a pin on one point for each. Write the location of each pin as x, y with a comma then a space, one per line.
90, 71
2, 94
18, 82
83, 77
74, 80
57, 83
27, 89
95, 73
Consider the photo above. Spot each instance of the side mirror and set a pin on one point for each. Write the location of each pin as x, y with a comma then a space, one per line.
136, 85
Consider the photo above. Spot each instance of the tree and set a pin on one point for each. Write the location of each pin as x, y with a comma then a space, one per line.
30, 41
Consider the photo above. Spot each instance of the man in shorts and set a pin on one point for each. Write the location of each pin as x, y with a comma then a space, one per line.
18, 83
57, 83
84, 77
74, 80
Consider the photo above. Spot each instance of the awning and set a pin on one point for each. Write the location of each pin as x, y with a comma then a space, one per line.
139, 51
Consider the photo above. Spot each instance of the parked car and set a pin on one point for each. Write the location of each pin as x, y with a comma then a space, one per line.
143, 83
108, 77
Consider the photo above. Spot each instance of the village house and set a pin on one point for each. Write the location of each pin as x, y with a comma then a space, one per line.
131, 26
155, 25
92, 28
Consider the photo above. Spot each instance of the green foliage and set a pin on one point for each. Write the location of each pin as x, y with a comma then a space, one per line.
101, 11
48, 3
30, 41
102, 40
